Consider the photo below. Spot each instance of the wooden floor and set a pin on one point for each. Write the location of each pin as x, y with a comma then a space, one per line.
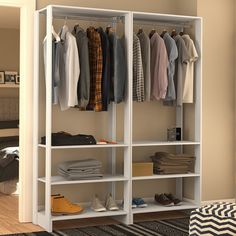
9, 223
9, 218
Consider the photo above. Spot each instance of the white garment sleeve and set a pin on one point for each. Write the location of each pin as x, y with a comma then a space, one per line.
73, 71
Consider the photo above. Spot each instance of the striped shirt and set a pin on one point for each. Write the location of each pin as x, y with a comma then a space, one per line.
138, 78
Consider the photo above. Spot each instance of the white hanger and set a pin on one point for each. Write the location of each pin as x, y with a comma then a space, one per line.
56, 36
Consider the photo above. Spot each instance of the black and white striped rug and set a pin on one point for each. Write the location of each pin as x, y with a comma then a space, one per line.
172, 227
215, 219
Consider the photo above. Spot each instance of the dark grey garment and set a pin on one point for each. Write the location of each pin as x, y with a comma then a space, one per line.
56, 47
83, 88
181, 64
118, 68
145, 51
105, 68
172, 53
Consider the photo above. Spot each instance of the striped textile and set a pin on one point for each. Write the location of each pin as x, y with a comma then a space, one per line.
171, 227
215, 219
138, 79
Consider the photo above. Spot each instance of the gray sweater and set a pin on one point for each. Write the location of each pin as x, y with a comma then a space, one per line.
84, 80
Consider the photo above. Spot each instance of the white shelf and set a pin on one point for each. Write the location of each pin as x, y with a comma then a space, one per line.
155, 207
166, 176
163, 143
59, 180
87, 213
9, 86
140, 16
86, 146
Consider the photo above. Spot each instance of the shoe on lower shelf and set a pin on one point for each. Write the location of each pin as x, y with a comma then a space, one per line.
62, 206
163, 200
174, 199
110, 203
97, 205
139, 202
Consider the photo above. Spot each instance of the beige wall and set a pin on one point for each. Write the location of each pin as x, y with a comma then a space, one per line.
218, 98
218, 85
9, 61
9, 49
9, 56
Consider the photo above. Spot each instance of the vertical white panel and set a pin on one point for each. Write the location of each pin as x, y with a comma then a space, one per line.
128, 118
198, 111
36, 119
48, 118
112, 151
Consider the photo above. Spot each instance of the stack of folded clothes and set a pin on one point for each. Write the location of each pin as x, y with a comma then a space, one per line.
82, 169
167, 163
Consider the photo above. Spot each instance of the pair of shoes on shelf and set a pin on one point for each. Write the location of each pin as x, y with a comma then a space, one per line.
110, 204
167, 199
138, 202
62, 206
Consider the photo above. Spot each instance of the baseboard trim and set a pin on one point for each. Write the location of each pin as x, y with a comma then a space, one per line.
232, 200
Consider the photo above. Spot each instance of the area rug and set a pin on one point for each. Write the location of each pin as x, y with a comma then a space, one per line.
172, 227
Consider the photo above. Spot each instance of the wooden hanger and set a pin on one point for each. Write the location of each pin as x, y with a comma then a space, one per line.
153, 31
173, 33
181, 33
109, 29
140, 31
163, 33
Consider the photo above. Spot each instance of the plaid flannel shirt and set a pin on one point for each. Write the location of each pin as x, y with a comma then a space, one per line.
95, 63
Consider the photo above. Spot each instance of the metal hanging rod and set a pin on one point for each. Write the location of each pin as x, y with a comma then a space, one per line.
116, 19
162, 24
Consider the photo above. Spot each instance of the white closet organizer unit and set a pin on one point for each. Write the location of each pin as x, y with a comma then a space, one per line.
42, 213
194, 25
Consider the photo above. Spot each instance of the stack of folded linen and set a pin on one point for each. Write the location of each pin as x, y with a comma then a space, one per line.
82, 169
167, 163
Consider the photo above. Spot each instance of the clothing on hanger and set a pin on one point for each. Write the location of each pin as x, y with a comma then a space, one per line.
181, 68
138, 79
188, 82
105, 68
69, 70
145, 52
95, 63
172, 53
159, 64
118, 67
56, 48
83, 89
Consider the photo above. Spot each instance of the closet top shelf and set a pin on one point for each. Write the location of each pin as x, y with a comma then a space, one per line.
60, 10
164, 17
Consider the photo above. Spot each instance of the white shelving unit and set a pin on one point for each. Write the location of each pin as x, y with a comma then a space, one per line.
42, 216
179, 22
